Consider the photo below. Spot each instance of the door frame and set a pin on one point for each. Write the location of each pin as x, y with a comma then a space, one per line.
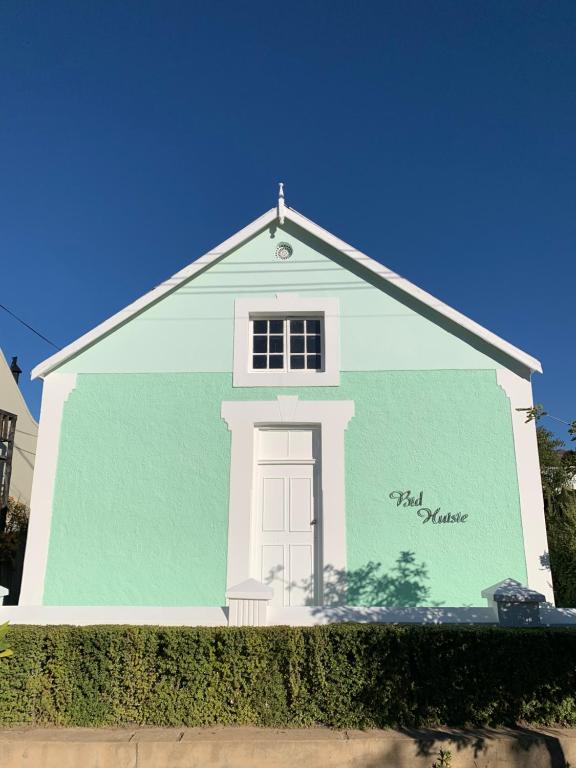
243, 418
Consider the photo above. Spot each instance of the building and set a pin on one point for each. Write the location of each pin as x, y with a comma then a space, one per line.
285, 422
18, 435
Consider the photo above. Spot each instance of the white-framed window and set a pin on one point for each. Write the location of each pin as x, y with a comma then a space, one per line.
286, 341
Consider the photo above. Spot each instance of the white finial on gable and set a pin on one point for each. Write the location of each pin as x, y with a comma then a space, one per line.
281, 207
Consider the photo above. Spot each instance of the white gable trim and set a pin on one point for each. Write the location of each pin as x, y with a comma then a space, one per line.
152, 296
253, 228
412, 290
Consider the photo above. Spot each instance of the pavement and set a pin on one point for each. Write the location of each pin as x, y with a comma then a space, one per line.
283, 748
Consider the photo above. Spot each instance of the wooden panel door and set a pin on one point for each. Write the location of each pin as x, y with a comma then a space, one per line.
286, 526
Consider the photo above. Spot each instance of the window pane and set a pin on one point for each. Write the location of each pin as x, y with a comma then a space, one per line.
276, 343
297, 344
305, 344
312, 343
260, 344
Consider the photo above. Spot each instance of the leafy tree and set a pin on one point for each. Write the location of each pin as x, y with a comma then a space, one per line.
15, 529
12, 545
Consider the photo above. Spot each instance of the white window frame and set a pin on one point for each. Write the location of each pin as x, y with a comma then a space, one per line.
287, 335
286, 305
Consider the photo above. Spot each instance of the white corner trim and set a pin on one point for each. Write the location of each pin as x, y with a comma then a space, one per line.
57, 387
242, 418
519, 391
286, 304
386, 274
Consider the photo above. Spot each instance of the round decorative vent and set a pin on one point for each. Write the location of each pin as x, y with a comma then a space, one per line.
283, 251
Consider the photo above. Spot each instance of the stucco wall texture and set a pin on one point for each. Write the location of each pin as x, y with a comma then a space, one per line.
140, 511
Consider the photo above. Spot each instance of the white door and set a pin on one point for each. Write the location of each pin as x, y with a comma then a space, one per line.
287, 522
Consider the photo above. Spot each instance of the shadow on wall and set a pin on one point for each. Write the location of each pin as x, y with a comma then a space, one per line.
404, 586
481, 747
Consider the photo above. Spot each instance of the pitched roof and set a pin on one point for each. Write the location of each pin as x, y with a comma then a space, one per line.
14, 390
199, 265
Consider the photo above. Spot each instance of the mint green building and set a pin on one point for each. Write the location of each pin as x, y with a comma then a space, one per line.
289, 428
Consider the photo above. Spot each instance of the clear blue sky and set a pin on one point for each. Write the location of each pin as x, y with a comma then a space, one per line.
438, 137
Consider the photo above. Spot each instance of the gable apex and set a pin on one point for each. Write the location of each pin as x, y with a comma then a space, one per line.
257, 225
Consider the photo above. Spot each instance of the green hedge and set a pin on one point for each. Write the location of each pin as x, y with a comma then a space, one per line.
343, 676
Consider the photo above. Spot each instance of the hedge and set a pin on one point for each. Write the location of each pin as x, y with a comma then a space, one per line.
342, 676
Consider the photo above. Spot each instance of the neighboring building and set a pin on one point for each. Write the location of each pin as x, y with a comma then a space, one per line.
18, 435
288, 410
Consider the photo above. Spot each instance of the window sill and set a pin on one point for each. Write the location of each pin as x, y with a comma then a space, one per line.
286, 378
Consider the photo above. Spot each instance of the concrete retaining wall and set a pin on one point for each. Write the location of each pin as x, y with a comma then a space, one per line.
313, 748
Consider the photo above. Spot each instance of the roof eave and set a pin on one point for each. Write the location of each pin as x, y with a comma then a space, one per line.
412, 290
161, 290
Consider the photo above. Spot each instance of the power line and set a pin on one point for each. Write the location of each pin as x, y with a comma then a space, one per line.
19, 319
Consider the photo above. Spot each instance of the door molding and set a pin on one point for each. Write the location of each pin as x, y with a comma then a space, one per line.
242, 418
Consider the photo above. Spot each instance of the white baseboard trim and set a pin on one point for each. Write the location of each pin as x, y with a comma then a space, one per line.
310, 616
215, 616
82, 615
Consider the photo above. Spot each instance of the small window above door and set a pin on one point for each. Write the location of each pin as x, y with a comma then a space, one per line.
286, 341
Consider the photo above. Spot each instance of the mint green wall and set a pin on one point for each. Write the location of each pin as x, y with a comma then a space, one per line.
141, 499
192, 329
